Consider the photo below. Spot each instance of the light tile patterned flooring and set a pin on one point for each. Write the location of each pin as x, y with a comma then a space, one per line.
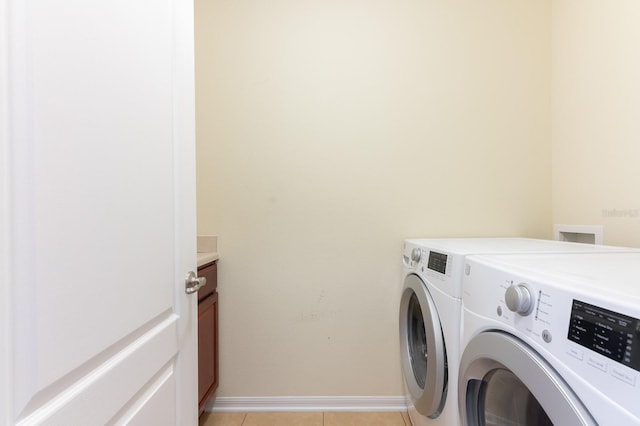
329, 418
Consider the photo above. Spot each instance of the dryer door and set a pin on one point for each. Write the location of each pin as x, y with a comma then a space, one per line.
503, 381
424, 357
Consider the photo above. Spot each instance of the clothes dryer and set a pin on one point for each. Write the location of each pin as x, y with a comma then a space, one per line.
431, 312
551, 339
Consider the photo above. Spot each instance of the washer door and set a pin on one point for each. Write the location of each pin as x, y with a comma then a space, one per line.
503, 381
422, 348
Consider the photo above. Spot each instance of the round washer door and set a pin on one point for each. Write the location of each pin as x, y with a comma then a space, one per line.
422, 348
504, 381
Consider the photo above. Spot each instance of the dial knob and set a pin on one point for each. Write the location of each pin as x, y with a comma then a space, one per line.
416, 254
519, 299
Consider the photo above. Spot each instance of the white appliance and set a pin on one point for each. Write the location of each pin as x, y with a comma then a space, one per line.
551, 339
431, 312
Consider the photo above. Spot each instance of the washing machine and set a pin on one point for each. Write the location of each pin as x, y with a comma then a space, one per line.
551, 339
431, 312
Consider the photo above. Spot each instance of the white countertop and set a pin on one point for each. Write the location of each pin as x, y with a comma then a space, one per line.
207, 249
207, 257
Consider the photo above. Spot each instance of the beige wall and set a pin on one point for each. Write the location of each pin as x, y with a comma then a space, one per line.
329, 131
596, 116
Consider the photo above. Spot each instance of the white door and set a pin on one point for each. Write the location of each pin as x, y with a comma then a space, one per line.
97, 212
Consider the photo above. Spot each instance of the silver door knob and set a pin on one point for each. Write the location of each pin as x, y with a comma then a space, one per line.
193, 283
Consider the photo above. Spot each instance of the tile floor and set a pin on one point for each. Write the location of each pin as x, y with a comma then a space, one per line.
329, 418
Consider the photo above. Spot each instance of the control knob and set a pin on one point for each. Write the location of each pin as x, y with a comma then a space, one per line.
416, 254
519, 299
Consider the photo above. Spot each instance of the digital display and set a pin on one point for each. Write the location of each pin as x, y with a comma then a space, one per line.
437, 262
608, 333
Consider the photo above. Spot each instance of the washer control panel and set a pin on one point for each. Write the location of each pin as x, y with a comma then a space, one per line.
441, 269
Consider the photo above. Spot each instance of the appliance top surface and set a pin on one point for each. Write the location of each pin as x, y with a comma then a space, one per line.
608, 273
467, 246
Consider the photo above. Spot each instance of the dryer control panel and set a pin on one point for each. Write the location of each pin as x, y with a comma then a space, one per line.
609, 333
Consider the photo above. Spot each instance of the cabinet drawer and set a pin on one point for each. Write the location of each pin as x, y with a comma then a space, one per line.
210, 272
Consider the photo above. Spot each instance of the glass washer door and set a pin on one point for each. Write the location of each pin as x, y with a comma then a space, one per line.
422, 348
504, 382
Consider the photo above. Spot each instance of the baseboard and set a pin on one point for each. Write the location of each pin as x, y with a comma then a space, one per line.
307, 403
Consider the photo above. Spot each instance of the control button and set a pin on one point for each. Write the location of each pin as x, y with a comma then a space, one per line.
599, 364
467, 269
518, 299
499, 311
576, 353
546, 336
627, 377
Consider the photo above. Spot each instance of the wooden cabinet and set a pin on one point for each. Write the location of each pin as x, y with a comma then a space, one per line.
207, 334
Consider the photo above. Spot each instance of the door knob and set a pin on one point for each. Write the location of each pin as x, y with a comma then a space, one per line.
193, 283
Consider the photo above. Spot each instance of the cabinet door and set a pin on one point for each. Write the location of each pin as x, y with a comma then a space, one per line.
207, 348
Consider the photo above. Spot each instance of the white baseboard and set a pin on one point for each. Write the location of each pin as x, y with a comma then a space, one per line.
307, 403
